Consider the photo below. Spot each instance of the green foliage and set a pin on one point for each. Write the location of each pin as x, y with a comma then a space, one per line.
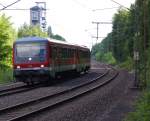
6, 75
98, 56
28, 30
120, 40
49, 31
51, 35
58, 37
7, 36
142, 112
103, 51
108, 57
131, 33
128, 64
122, 35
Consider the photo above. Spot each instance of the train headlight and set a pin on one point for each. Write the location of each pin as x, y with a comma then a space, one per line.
18, 67
42, 66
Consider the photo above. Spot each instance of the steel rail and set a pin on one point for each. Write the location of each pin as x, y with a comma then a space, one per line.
45, 97
12, 89
56, 95
16, 90
62, 101
11, 86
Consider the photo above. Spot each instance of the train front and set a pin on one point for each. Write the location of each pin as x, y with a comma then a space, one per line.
30, 60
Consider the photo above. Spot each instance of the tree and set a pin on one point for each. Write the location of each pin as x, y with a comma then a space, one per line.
51, 35
29, 30
7, 36
130, 33
122, 35
49, 31
58, 37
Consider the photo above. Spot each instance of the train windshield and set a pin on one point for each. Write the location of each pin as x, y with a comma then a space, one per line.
30, 52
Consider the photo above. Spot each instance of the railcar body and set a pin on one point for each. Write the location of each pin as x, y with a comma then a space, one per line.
36, 58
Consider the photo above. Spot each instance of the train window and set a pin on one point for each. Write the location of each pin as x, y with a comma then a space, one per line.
69, 53
59, 52
64, 53
54, 52
72, 53
82, 54
36, 51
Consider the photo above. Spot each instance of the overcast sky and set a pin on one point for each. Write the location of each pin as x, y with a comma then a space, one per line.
71, 19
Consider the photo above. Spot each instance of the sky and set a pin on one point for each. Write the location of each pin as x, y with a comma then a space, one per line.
71, 19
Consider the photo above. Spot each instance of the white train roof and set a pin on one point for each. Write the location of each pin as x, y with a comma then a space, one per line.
41, 39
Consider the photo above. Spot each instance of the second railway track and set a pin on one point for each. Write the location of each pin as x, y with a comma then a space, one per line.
23, 110
15, 90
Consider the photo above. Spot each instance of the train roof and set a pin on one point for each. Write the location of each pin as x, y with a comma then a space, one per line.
41, 39
31, 39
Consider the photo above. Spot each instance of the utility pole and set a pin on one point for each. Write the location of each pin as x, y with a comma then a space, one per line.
136, 56
97, 23
145, 41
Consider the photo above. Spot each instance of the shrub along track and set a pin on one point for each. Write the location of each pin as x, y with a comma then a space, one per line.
34, 106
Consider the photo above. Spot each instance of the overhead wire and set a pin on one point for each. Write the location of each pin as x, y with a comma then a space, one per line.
20, 9
101, 9
81, 4
76, 1
120, 5
4, 7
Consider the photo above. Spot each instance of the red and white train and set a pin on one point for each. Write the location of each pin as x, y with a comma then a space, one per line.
39, 59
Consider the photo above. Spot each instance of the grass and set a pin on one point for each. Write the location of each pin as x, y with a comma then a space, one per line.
142, 109
6, 75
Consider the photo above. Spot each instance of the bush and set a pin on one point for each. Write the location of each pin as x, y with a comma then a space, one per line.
142, 112
6, 75
107, 58
98, 56
128, 64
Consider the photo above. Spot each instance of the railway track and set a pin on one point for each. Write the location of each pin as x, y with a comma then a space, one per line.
11, 86
26, 109
15, 90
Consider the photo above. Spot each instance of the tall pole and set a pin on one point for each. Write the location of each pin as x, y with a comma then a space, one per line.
136, 49
145, 40
97, 28
97, 32
97, 23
